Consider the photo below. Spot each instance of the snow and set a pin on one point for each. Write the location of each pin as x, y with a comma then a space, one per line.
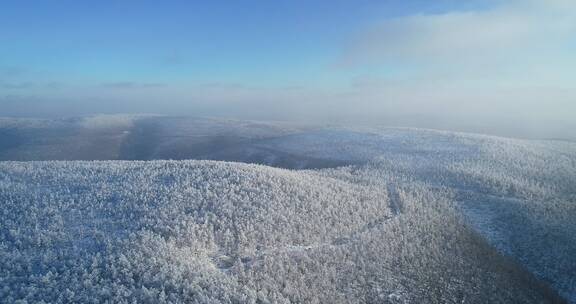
414, 216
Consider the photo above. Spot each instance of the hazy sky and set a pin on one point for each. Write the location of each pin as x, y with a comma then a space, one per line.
503, 67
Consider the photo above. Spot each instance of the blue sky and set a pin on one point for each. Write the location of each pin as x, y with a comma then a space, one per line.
449, 60
278, 43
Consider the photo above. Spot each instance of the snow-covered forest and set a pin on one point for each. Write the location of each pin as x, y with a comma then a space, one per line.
407, 216
288, 152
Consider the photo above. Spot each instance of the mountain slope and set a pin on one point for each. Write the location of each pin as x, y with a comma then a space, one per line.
215, 232
518, 195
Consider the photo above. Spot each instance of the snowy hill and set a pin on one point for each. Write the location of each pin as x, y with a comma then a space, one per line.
414, 216
519, 194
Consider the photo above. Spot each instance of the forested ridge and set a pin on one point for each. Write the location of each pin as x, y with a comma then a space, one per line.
431, 218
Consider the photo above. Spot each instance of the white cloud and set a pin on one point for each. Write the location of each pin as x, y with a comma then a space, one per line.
503, 43
511, 65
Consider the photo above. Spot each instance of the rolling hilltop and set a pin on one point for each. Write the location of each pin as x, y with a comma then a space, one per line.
380, 216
